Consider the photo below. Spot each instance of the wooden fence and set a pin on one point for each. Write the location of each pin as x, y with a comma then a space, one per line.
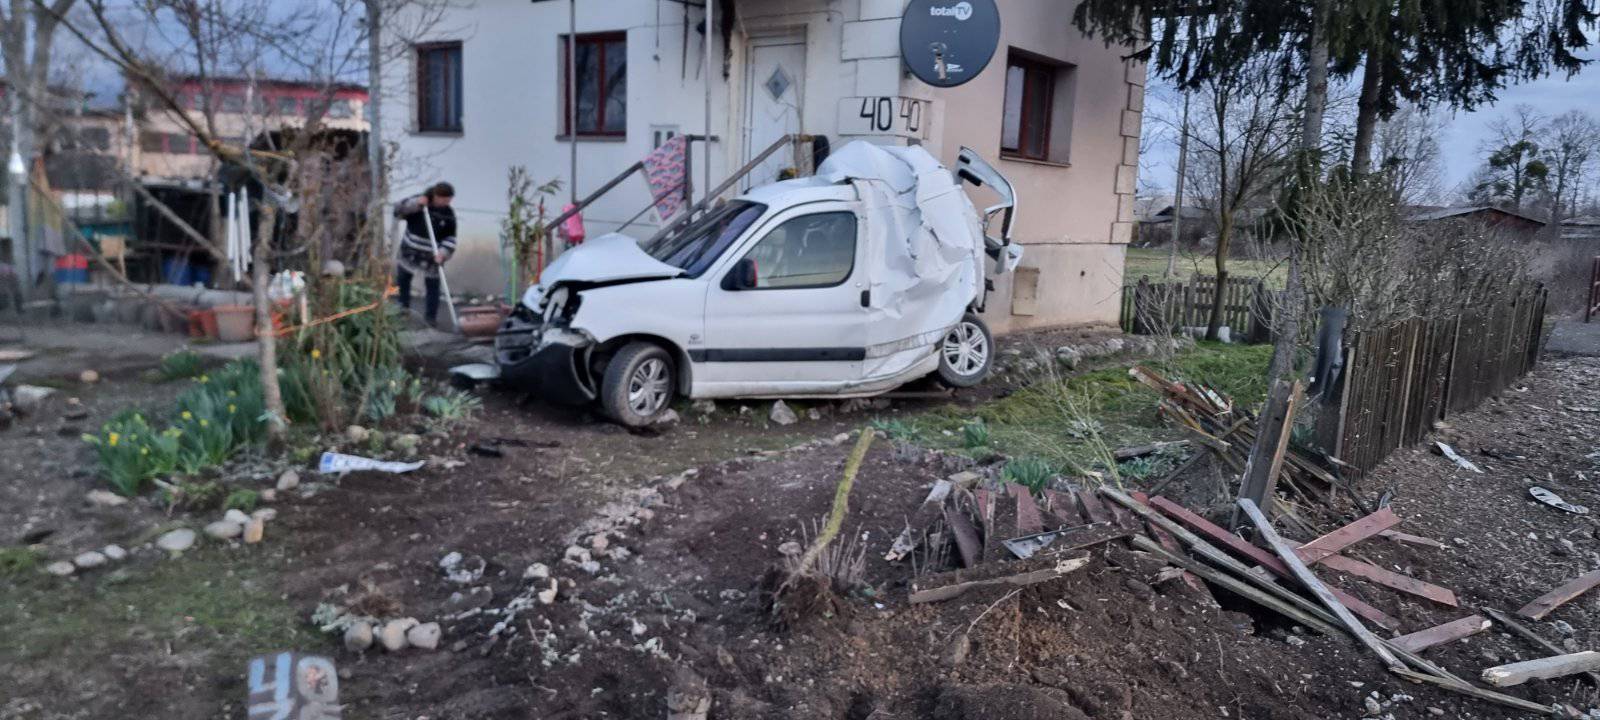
1165, 308
1399, 380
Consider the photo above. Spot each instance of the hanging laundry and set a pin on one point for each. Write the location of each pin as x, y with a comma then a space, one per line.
666, 169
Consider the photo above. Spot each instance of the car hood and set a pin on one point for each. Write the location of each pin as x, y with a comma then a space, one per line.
608, 259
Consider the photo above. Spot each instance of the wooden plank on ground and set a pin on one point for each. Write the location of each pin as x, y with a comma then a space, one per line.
946, 592
1092, 506
1285, 552
1215, 533
1029, 519
1410, 539
1171, 544
1348, 535
1389, 578
1510, 624
1441, 634
1548, 602
1542, 669
1477, 692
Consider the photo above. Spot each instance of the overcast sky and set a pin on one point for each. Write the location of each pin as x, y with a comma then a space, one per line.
1461, 144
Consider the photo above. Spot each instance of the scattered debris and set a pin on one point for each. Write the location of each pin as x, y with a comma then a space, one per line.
1451, 453
309, 690
946, 592
1533, 637
462, 570
333, 463
1553, 500
1441, 634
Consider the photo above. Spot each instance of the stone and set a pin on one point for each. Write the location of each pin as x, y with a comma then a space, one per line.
357, 434
790, 548
472, 599
1564, 627
667, 417
269, 495
813, 415
393, 634
548, 596
599, 542
536, 571
61, 568
1435, 710
462, 570
358, 637
176, 540
424, 636
88, 377
1068, 357
1373, 707
264, 515
27, 398
644, 515
91, 559
781, 414
224, 530
236, 515
840, 439
114, 552
289, 480
704, 407
75, 410
253, 530
105, 498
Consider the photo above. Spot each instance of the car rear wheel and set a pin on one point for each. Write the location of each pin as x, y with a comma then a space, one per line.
966, 353
638, 384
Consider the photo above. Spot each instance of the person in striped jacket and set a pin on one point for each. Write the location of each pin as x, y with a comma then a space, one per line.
417, 253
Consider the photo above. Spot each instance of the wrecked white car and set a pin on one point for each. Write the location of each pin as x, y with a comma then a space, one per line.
848, 283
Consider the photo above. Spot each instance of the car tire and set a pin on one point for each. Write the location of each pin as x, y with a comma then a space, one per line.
639, 384
966, 353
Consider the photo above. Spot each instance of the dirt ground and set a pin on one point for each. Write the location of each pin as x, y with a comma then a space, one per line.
693, 518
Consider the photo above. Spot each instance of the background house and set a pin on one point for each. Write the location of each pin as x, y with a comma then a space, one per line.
1057, 112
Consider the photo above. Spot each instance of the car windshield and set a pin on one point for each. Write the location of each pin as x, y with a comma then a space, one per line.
700, 243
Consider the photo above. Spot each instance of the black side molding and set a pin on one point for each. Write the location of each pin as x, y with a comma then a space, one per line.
778, 354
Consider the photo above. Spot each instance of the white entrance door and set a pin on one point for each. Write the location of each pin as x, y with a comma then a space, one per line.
774, 97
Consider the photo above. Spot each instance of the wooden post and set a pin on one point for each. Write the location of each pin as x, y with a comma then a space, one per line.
1286, 553
1272, 442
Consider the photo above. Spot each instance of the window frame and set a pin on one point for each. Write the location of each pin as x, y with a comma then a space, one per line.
766, 232
601, 40
1029, 66
458, 97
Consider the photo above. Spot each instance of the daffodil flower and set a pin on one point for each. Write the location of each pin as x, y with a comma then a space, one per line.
316, 354
188, 415
112, 439
203, 422
231, 408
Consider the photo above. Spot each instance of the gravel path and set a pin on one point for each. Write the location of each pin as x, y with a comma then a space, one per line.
1572, 337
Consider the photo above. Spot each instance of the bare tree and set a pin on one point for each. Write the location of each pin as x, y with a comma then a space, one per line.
1569, 152
1243, 138
1515, 168
1408, 147
28, 77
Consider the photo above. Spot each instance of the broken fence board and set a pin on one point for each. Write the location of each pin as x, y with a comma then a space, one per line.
946, 592
1286, 553
1029, 519
1237, 586
917, 525
1064, 507
1441, 634
968, 544
1389, 578
1548, 602
1261, 557
1477, 692
1171, 544
1542, 669
1348, 535
1092, 506
1518, 628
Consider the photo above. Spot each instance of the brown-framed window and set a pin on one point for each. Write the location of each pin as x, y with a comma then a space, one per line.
602, 85
439, 87
1025, 123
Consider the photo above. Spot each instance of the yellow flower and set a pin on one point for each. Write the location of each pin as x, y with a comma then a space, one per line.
316, 354
204, 378
144, 451
112, 439
231, 408
203, 422
232, 394
188, 415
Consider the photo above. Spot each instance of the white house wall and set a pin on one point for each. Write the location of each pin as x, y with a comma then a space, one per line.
1075, 218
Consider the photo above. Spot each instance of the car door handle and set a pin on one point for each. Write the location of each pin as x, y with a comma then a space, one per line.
866, 298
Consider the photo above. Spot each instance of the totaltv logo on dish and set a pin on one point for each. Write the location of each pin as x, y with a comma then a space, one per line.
959, 11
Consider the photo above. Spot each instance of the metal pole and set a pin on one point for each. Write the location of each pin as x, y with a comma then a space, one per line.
711, 10
572, 99
1177, 199
444, 284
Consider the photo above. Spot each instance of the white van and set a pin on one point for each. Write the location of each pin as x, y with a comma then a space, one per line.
848, 283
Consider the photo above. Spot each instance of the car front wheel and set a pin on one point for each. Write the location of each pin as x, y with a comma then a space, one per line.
966, 353
639, 384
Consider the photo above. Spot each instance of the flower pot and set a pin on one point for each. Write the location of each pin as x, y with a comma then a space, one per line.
481, 321
235, 323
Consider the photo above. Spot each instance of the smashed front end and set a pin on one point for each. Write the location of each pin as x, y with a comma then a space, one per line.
539, 352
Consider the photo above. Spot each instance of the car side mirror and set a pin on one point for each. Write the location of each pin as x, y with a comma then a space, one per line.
742, 277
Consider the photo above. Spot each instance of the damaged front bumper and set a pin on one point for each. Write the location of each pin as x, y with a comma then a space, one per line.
547, 360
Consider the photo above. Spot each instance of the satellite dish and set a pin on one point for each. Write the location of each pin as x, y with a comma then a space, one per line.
948, 42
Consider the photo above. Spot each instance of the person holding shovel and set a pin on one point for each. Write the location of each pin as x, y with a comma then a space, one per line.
429, 241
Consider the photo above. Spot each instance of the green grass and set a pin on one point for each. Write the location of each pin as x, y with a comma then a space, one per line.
210, 600
15, 561
1072, 423
1152, 262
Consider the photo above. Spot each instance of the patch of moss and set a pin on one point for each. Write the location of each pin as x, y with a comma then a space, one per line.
14, 561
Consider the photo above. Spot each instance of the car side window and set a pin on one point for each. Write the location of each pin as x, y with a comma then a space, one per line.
808, 251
